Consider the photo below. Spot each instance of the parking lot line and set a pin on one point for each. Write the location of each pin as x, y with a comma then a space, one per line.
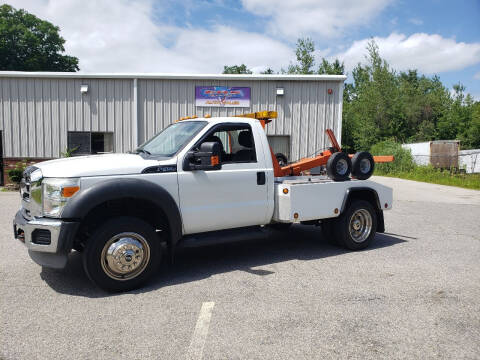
195, 350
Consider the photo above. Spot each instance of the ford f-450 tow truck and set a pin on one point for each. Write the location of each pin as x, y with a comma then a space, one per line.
200, 181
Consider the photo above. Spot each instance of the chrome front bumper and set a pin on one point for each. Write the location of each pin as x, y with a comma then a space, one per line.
52, 253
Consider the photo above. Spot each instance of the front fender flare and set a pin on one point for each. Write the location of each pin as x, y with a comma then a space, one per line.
115, 189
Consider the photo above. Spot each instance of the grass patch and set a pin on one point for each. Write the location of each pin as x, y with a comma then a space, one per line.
405, 168
435, 176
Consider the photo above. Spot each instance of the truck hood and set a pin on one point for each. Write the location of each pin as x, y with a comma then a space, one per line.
98, 165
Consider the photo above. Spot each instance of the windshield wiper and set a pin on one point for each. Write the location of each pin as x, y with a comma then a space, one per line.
143, 151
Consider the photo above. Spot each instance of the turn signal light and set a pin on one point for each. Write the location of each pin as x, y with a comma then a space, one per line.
214, 160
69, 191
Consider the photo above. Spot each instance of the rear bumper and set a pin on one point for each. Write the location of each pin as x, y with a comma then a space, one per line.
48, 240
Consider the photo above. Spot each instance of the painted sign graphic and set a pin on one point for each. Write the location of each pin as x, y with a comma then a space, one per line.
222, 96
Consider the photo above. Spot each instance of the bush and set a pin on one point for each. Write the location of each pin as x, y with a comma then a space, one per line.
403, 157
15, 174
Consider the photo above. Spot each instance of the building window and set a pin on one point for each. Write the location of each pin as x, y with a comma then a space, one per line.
86, 143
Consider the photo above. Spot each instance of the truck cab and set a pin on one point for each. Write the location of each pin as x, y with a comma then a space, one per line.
199, 181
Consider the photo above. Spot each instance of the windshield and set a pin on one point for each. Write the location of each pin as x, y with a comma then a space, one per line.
168, 142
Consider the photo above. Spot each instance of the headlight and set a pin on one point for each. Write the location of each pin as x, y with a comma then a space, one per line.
36, 175
56, 193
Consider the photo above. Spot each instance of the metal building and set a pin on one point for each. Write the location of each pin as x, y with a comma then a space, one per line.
44, 114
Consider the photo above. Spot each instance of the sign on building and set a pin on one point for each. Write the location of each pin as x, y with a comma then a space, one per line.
222, 96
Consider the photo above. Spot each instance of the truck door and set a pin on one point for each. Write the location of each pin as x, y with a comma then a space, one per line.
235, 195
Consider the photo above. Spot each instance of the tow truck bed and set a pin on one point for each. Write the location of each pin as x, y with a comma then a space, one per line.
304, 198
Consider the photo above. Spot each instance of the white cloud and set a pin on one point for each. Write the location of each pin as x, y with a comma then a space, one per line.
416, 21
121, 36
327, 18
428, 53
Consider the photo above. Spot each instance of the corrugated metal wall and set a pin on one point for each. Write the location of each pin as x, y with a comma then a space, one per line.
36, 113
304, 112
280, 144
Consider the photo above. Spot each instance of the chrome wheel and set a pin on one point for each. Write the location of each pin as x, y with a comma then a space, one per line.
342, 167
365, 166
125, 256
360, 225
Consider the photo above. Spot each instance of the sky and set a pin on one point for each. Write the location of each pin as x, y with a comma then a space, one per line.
439, 37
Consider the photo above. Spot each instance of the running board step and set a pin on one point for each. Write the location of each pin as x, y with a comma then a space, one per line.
224, 236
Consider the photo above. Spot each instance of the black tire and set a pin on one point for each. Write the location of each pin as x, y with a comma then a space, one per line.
339, 166
344, 228
97, 267
362, 165
282, 159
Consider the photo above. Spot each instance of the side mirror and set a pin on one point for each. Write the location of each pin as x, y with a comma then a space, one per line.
208, 157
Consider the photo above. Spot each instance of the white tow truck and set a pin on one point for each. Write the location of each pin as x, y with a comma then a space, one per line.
200, 181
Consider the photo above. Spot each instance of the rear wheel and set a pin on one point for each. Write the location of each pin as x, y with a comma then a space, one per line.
122, 254
339, 166
355, 228
362, 165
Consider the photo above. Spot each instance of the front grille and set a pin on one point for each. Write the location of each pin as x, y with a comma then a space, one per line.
25, 182
41, 237
25, 189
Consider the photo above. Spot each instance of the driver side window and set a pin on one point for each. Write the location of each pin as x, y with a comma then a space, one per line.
237, 143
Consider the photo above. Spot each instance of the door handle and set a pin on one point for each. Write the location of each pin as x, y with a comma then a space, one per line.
261, 178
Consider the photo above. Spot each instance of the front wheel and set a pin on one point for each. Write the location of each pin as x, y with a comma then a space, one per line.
355, 228
122, 254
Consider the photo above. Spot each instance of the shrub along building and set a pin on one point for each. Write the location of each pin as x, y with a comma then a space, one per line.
46, 115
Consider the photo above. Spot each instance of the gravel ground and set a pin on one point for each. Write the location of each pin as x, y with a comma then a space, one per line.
413, 294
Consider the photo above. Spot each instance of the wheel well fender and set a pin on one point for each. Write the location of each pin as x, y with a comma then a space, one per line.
367, 194
138, 191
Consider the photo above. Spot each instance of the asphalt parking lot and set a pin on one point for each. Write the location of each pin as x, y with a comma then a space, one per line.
414, 294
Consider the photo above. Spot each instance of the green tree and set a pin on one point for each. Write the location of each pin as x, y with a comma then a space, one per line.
28, 43
373, 113
236, 69
305, 58
334, 68
461, 120
473, 137
267, 71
